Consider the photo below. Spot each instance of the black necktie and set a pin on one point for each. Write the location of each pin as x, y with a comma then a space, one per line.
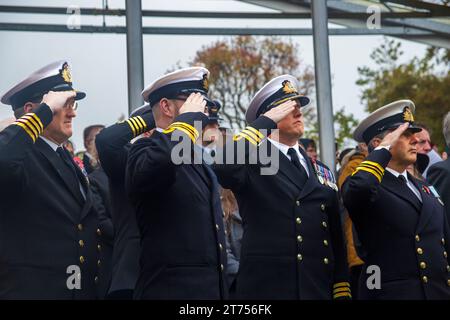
69, 171
296, 161
402, 179
404, 183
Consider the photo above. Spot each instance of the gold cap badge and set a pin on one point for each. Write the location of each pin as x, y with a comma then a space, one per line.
288, 87
205, 83
65, 73
407, 115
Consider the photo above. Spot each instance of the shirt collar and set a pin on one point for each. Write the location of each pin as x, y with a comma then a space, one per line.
52, 145
397, 174
284, 148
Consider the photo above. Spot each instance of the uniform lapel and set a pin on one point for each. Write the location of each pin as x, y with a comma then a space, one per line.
87, 190
427, 205
286, 167
215, 200
87, 204
81, 176
56, 162
199, 168
395, 186
312, 182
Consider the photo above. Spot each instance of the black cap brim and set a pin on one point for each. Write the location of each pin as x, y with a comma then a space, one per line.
412, 127
188, 92
80, 95
209, 102
303, 101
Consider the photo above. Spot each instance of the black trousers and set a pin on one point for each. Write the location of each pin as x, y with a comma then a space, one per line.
355, 273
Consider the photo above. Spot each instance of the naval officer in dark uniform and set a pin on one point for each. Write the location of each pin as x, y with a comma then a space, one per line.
177, 203
49, 230
292, 245
400, 220
113, 145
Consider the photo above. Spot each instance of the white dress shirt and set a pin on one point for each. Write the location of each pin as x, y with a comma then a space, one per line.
284, 150
408, 182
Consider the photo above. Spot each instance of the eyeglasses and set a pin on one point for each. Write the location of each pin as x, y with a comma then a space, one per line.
71, 104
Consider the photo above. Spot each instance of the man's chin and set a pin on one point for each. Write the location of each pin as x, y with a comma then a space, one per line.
67, 134
412, 159
299, 133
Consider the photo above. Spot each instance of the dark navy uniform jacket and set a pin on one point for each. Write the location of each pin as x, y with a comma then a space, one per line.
439, 176
113, 146
102, 204
179, 215
292, 246
45, 225
406, 238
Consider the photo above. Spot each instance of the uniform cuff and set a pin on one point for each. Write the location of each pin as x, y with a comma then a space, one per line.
263, 122
141, 124
252, 132
45, 114
149, 120
341, 290
375, 163
191, 117
381, 156
34, 123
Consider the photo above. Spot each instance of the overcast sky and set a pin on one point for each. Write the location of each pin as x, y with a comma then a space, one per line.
99, 60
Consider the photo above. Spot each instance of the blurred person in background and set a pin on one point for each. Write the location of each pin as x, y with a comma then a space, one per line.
350, 159
425, 146
439, 173
310, 147
233, 236
113, 144
90, 157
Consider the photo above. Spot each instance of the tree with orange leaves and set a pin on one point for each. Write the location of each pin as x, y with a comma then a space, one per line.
242, 65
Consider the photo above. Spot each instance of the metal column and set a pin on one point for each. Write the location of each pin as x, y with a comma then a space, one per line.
135, 61
323, 82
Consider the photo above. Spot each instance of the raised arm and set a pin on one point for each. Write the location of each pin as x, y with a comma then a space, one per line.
233, 174
17, 139
361, 188
150, 166
111, 143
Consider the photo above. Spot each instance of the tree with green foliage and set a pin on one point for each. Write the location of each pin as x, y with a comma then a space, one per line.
344, 125
425, 81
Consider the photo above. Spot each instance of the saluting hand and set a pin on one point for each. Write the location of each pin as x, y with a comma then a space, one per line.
392, 137
56, 100
279, 113
194, 103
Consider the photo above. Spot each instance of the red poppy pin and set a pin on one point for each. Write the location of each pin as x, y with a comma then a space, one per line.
426, 189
